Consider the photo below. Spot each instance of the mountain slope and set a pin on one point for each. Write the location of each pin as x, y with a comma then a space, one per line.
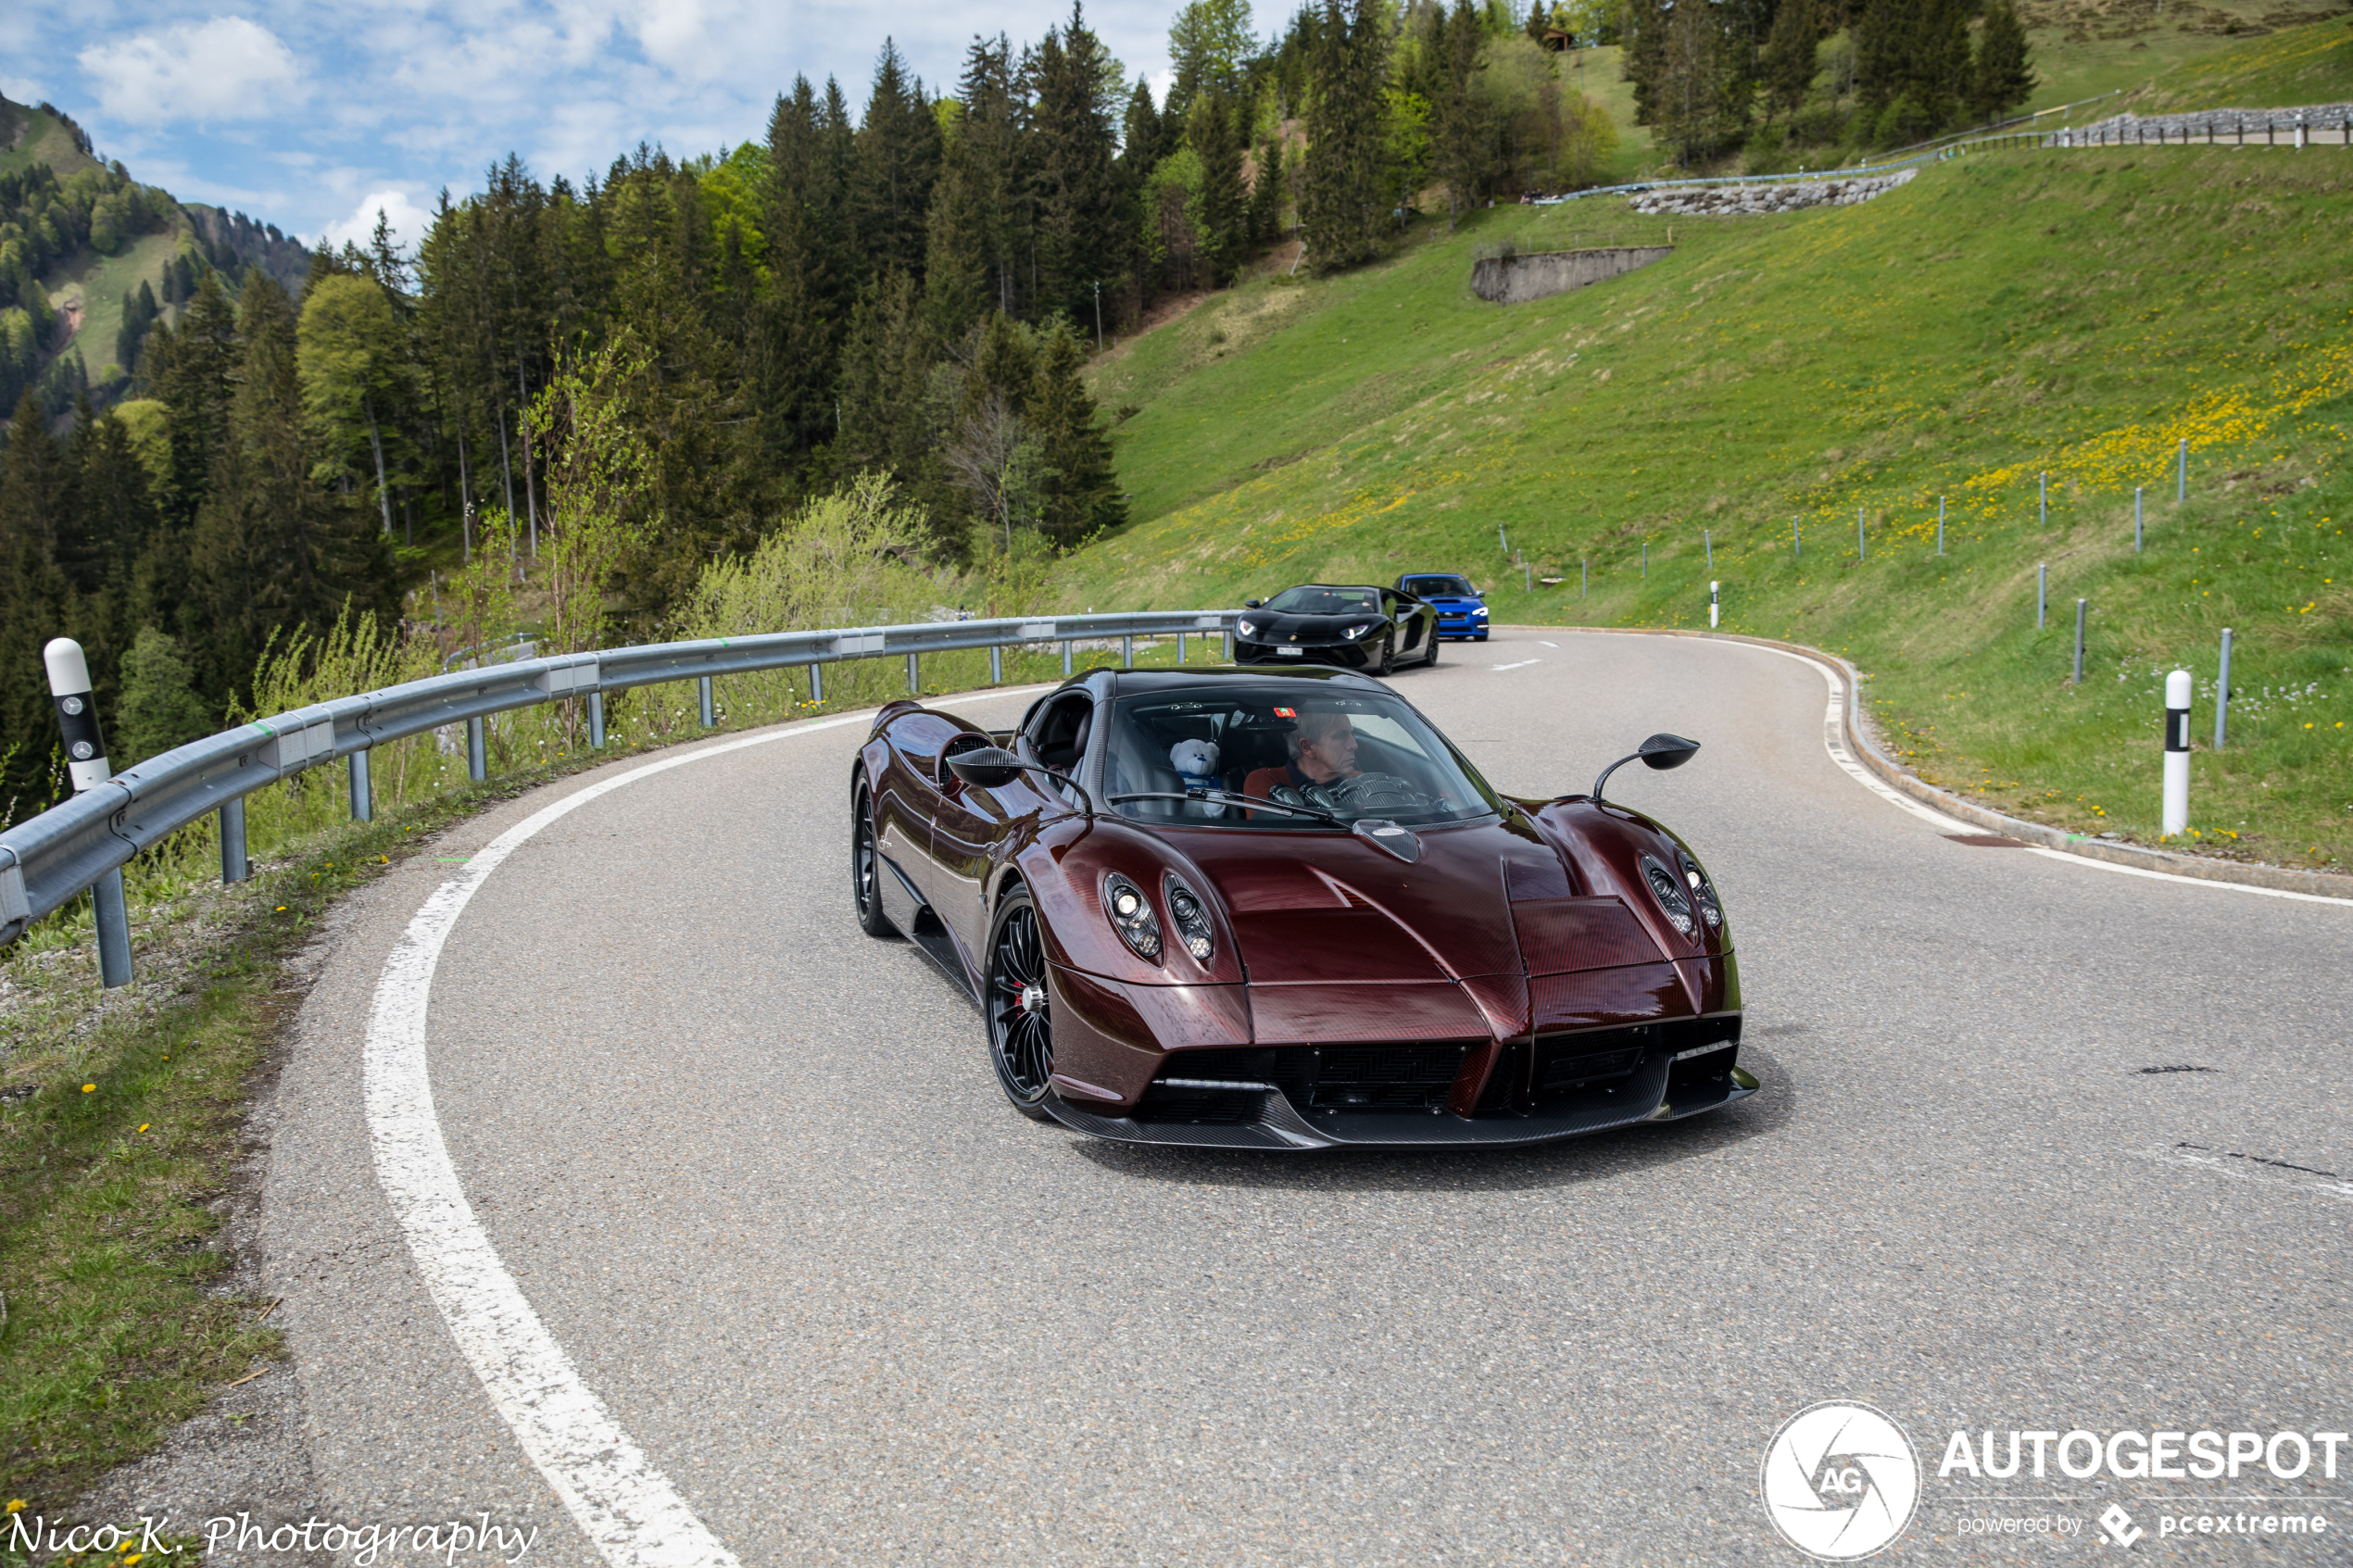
2002, 316
81, 235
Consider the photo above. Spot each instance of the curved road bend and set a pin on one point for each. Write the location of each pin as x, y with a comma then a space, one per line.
752, 1171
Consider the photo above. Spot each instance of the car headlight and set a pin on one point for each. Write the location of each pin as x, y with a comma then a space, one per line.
1355, 632
1131, 916
1247, 628
1671, 895
1192, 922
1480, 612
1703, 891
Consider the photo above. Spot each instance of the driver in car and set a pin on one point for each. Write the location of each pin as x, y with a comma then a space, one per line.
1323, 751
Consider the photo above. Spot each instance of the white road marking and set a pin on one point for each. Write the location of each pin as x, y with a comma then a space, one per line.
1834, 740
2264, 1172
1521, 665
1548, 644
626, 1507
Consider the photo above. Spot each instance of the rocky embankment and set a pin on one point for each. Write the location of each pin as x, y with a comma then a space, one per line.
1733, 200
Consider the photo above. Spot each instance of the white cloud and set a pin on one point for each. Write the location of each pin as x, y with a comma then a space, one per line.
409, 221
226, 68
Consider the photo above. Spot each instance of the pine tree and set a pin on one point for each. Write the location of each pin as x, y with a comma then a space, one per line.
36, 604
885, 373
1464, 140
2003, 75
1224, 202
1081, 240
1792, 56
191, 375
159, 708
1267, 192
274, 553
1341, 205
1645, 58
957, 253
897, 160
139, 313
1079, 487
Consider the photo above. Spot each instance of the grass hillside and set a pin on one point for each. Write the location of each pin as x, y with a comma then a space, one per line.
31, 135
2002, 316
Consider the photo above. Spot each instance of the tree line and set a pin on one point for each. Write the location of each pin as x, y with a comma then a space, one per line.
909, 286
1717, 76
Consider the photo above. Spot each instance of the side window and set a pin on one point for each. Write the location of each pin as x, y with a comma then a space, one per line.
1059, 736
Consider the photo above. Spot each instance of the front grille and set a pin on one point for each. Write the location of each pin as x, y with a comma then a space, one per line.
1386, 1077
1403, 1076
1567, 1063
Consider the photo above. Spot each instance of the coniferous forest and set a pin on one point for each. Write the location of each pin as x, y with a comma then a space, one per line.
906, 280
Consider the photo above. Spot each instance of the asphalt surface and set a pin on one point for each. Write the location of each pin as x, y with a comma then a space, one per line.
751, 1169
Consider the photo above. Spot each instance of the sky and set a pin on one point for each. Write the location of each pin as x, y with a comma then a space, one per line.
312, 114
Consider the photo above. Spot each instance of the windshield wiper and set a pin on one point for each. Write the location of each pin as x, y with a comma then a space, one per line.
1226, 796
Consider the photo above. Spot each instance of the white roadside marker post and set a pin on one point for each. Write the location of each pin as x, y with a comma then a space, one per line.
2136, 517
86, 764
2079, 642
1712, 603
1940, 525
2177, 753
2042, 591
1862, 545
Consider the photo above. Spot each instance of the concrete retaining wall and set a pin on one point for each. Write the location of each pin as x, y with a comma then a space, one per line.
1516, 280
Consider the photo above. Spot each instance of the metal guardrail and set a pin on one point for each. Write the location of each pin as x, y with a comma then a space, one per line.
57, 855
1928, 152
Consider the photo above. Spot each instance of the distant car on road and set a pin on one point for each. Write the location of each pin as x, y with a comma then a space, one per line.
1250, 908
1461, 611
1355, 627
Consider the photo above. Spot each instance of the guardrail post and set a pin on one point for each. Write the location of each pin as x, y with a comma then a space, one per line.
596, 721
363, 799
704, 708
234, 866
1065, 657
1127, 652
86, 764
817, 682
1229, 648
915, 677
1180, 648
996, 664
477, 750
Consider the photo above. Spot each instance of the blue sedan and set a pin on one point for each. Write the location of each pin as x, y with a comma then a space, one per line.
1461, 612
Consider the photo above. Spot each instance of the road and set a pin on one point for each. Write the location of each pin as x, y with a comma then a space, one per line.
751, 1174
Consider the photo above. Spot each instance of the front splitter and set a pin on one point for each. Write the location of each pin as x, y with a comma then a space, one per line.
1280, 1127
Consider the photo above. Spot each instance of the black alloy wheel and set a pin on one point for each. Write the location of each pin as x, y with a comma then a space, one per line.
865, 866
1388, 654
1020, 1028
1430, 660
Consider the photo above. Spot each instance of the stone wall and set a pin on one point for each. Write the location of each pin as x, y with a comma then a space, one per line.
1516, 280
1733, 200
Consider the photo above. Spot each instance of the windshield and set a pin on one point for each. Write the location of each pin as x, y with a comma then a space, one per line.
1351, 754
1454, 587
1313, 600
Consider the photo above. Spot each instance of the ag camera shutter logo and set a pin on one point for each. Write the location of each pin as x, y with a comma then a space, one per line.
1840, 1481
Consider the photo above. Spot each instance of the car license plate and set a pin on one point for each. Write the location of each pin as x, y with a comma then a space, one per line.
1290, 653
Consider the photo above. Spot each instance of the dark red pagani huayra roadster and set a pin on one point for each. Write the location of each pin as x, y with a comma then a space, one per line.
1223, 907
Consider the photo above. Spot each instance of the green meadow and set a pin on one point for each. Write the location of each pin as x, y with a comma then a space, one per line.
2002, 317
